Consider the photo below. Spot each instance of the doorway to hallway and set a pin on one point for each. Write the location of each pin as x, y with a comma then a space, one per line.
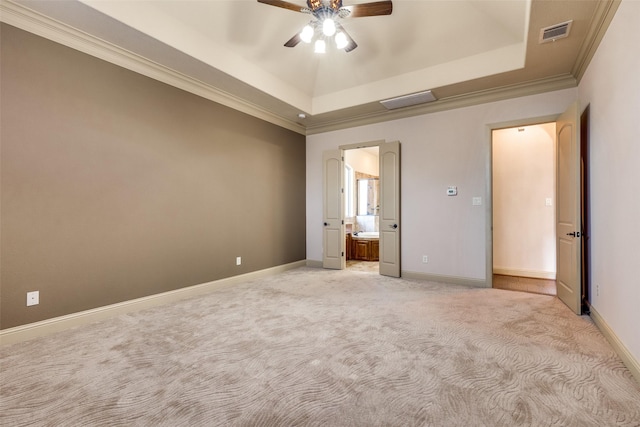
523, 208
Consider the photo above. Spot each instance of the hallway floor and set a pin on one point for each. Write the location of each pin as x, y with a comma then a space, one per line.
524, 284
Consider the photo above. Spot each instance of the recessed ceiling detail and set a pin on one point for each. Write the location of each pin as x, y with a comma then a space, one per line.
203, 47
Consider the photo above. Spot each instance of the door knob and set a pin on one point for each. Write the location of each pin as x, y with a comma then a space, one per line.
574, 234
326, 223
394, 226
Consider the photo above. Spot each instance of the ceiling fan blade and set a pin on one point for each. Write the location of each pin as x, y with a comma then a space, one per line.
293, 41
351, 43
283, 4
370, 9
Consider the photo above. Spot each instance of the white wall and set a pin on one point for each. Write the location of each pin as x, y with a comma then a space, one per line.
361, 160
524, 170
437, 150
611, 85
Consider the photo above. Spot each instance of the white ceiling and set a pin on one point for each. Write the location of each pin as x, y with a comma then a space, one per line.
236, 46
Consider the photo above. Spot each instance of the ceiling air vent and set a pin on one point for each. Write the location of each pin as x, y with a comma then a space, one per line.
408, 100
555, 32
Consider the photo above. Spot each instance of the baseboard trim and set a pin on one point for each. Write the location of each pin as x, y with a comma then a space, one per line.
314, 264
61, 323
455, 280
627, 358
550, 275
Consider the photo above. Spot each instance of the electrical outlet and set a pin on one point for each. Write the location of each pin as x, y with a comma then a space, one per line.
425, 259
238, 260
598, 290
33, 298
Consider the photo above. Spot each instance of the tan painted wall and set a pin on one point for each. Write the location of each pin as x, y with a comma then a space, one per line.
524, 239
116, 186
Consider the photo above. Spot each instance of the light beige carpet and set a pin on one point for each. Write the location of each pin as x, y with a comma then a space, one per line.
313, 347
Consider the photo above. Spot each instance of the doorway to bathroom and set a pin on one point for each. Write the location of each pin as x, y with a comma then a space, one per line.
362, 208
382, 197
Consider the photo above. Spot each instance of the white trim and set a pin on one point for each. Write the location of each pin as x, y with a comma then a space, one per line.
57, 324
605, 11
26, 19
455, 280
627, 358
551, 275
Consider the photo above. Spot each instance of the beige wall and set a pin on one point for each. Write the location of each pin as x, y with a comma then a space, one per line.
437, 150
611, 86
116, 186
363, 161
524, 239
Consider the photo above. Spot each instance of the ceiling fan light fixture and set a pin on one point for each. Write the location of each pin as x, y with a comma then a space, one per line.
341, 40
320, 47
307, 34
326, 16
328, 27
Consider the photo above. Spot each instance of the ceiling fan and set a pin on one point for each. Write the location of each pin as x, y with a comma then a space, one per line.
326, 14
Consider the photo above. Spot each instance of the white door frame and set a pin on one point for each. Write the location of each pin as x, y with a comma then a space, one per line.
489, 183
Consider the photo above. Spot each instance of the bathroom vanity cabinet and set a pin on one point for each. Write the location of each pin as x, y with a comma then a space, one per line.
363, 249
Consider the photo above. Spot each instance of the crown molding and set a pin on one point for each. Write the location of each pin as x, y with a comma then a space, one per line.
604, 13
26, 19
550, 84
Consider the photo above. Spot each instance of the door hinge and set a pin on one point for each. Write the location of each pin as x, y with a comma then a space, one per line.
343, 222
342, 253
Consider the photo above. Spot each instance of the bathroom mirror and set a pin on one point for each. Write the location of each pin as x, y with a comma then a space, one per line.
368, 196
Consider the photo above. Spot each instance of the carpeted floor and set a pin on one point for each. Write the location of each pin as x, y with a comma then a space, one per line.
313, 347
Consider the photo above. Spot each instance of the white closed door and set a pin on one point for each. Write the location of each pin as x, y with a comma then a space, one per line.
568, 223
333, 237
390, 209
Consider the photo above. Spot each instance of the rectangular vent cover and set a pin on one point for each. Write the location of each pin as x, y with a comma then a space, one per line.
555, 32
407, 100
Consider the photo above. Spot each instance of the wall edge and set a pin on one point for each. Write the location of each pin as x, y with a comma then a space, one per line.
61, 323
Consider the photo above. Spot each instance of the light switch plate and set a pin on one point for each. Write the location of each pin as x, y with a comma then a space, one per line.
476, 201
33, 298
452, 190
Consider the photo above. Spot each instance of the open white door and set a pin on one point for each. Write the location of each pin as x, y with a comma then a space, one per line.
568, 227
333, 237
390, 209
